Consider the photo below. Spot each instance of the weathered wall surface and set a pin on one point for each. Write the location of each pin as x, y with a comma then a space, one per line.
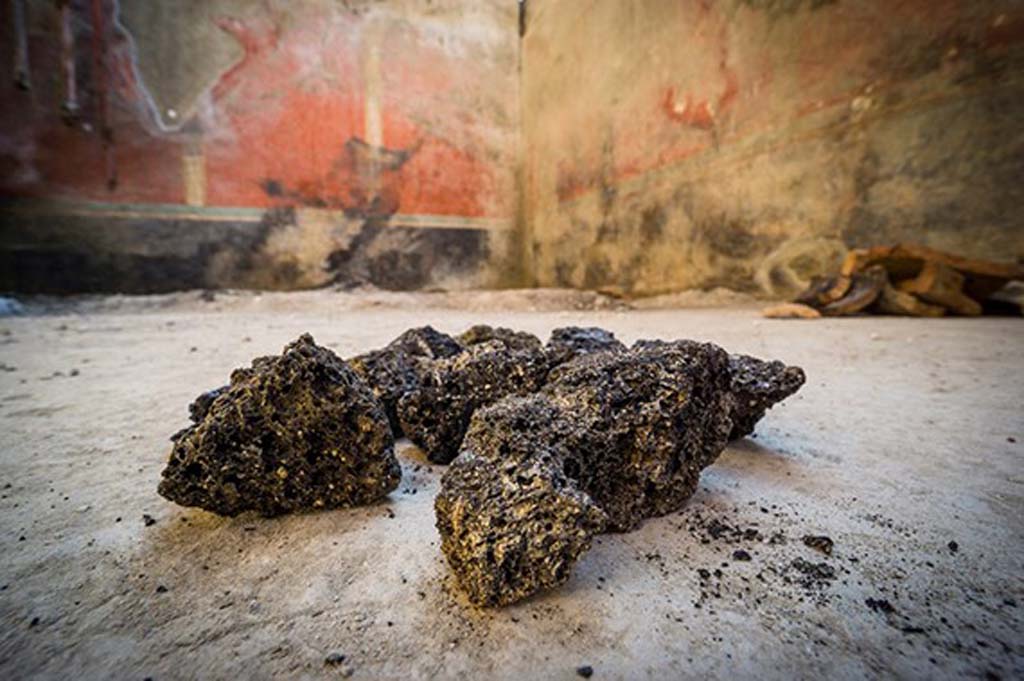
333, 140
747, 143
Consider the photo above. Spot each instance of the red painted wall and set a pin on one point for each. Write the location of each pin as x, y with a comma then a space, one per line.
285, 124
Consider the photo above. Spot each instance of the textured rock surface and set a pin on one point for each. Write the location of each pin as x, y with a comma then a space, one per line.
613, 438
756, 386
513, 340
511, 530
568, 342
396, 369
201, 405
297, 431
653, 418
436, 415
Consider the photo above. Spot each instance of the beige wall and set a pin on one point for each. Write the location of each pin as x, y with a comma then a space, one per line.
748, 143
270, 144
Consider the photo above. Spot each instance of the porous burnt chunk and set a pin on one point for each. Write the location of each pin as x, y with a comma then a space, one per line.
568, 342
436, 415
756, 386
201, 405
426, 341
510, 530
395, 369
511, 339
296, 431
649, 420
625, 434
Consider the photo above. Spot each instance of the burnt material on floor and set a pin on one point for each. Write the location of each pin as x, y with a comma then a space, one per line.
293, 432
612, 439
396, 370
435, 416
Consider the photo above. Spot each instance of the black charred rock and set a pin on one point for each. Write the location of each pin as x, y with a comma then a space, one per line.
511, 339
397, 368
296, 431
571, 341
197, 410
613, 438
436, 415
756, 386
654, 417
510, 529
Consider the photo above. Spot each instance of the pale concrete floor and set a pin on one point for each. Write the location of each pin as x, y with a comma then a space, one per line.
909, 435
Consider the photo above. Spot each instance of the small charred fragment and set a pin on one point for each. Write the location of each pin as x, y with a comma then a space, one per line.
756, 386
436, 415
512, 529
612, 439
653, 418
571, 341
511, 339
201, 405
296, 431
395, 369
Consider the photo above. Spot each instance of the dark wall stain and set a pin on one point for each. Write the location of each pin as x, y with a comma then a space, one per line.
405, 258
652, 223
363, 181
86, 254
95, 254
781, 8
598, 273
728, 236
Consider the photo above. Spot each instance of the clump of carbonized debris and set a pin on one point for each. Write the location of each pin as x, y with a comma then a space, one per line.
511, 339
569, 342
436, 415
431, 384
296, 431
555, 443
756, 386
398, 368
612, 438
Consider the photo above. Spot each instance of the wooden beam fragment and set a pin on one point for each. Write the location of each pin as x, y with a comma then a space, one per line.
865, 289
824, 290
982, 278
790, 311
896, 302
942, 285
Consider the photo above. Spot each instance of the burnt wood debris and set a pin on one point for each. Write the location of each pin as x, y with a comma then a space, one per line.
547, 445
909, 280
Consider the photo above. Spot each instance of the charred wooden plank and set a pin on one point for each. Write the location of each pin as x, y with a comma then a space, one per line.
942, 285
790, 311
867, 286
896, 302
982, 278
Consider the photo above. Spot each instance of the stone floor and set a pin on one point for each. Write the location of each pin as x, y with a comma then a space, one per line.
906, 448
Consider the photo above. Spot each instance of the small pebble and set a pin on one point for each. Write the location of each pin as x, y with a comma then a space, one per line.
334, 659
586, 671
